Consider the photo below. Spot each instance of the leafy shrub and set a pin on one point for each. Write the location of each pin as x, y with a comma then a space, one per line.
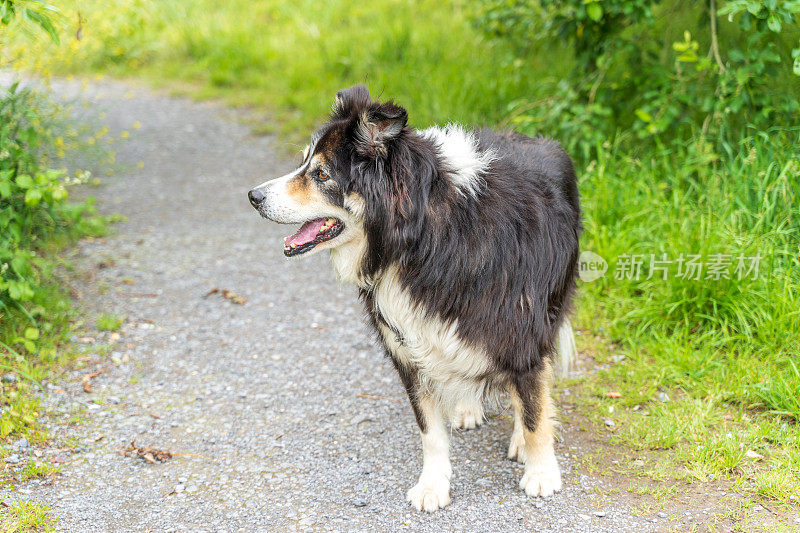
34, 216
716, 77
33, 206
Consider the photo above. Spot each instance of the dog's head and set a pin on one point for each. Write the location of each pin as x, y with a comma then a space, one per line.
360, 178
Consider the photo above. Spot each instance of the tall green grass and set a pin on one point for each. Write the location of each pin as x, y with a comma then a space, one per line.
733, 338
293, 56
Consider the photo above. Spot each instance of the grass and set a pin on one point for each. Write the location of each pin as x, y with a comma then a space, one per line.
721, 348
284, 55
29, 368
723, 351
25, 516
27, 364
34, 470
109, 322
21, 406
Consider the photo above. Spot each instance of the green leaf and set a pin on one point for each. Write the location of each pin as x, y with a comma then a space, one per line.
59, 194
771, 56
796, 66
5, 189
24, 181
44, 22
15, 229
21, 265
595, 11
736, 55
33, 197
19, 290
754, 7
643, 115
774, 23
31, 333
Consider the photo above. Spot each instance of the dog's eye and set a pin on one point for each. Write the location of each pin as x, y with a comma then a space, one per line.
322, 176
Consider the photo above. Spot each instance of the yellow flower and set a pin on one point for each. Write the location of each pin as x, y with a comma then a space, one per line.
125, 134
137, 125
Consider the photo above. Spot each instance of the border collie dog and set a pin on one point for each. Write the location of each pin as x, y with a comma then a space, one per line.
464, 246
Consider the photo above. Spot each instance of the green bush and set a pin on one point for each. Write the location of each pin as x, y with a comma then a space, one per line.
33, 199
35, 219
655, 71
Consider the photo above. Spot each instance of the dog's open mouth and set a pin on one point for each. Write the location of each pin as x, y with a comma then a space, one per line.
311, 234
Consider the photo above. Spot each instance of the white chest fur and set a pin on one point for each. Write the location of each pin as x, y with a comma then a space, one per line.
433, 347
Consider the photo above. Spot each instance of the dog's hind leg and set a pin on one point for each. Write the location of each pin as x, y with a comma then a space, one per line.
534, 411
432, 491
516, 448
468, 414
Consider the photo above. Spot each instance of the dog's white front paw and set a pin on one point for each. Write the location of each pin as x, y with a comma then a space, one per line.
430, 493
516, 447
541, 478
468, 415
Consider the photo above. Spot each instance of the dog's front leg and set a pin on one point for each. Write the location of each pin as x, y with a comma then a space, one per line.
432, 491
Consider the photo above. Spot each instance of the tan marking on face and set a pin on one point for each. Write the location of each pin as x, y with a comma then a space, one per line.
299, 188
302, 188
318, 160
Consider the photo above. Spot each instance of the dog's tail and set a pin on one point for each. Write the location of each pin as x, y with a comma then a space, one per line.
567, 351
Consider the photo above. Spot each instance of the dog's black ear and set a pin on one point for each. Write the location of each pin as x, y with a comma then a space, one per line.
396, 192
351, 101
377, 126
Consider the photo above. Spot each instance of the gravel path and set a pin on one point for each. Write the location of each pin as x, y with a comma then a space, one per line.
263, 401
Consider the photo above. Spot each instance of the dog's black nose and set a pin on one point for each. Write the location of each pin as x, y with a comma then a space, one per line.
256, 197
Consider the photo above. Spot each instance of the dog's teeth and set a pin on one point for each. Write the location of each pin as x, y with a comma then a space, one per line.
330, 221
293, 246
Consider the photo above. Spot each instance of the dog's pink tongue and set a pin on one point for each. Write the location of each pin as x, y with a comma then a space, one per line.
307, 233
